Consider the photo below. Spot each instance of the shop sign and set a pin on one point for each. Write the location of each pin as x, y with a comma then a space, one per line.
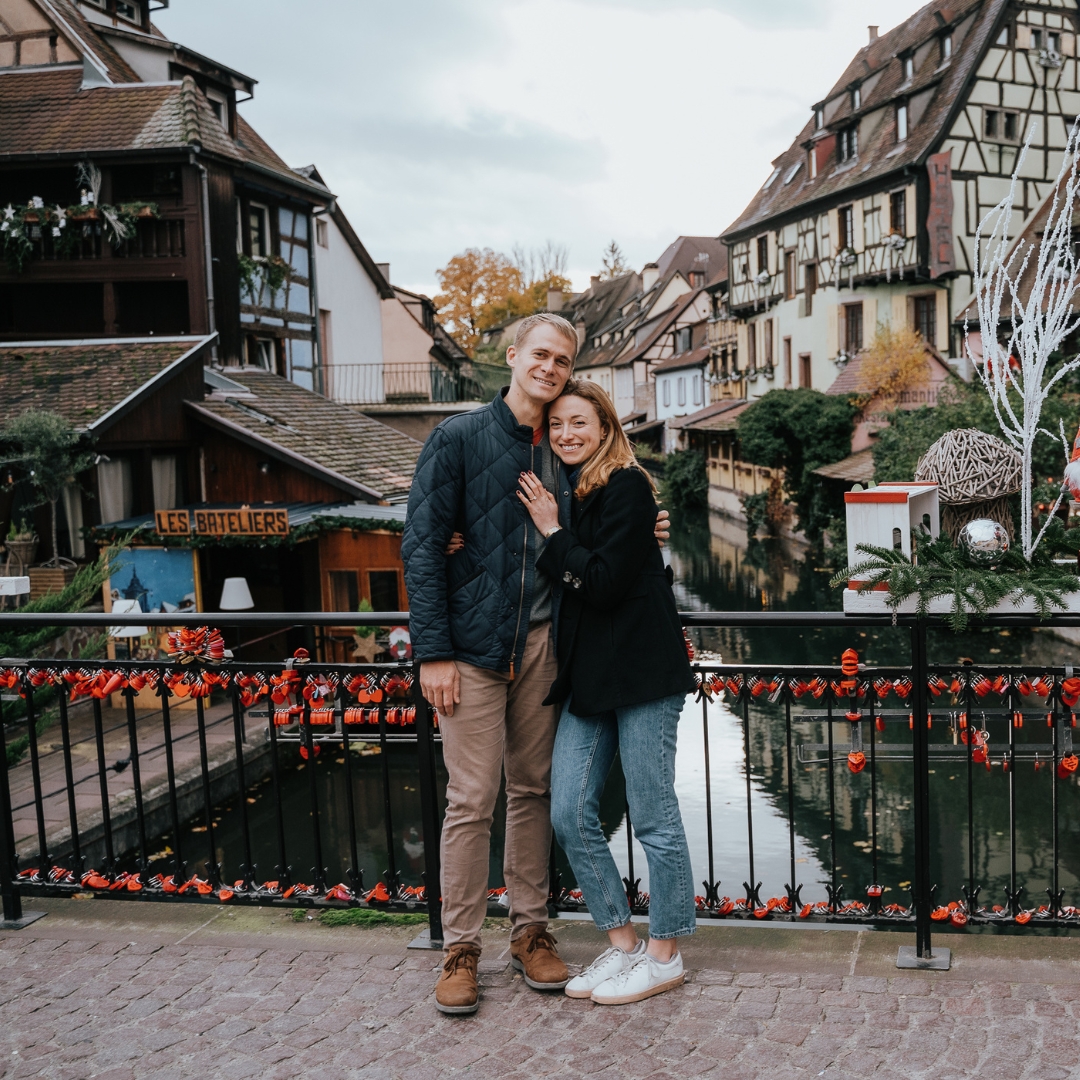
230, 521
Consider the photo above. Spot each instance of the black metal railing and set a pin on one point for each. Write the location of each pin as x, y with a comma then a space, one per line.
399, 382
201, 732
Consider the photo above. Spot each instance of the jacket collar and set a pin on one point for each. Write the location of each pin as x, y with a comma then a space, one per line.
507, 419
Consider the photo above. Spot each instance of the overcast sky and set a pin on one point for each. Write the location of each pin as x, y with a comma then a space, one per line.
447, 124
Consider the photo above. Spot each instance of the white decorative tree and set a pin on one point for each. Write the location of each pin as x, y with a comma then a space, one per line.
1026, 297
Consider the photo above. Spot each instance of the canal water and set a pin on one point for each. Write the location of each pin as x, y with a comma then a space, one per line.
716, 568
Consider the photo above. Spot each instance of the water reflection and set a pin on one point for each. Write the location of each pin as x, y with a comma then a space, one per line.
716, 569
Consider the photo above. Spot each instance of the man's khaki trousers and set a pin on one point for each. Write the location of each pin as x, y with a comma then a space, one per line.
499, 725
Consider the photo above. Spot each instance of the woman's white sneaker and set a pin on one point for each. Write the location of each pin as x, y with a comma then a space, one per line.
607, 965
645, 977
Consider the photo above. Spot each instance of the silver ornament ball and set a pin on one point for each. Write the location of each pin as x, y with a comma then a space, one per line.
985, 542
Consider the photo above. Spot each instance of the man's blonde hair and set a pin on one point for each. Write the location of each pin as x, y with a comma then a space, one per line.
615, 451
547, 318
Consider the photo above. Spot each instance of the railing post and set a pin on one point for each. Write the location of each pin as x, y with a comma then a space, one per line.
922, 955
8, 888
14, 916
429, 814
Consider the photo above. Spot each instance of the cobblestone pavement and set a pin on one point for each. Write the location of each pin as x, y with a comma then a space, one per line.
100, 989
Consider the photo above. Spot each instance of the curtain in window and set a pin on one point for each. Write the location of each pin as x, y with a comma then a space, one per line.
71, 498
163, 476
114, 490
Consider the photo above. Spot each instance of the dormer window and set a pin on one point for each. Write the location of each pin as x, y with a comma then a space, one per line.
856, 97
819, 119
130, 10
909, 67
812, 163
946, 47
901, 122
847, 143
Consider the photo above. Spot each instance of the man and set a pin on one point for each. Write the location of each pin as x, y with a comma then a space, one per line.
481, 627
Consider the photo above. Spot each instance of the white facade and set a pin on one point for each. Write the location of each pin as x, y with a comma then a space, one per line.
350, 314
680, 392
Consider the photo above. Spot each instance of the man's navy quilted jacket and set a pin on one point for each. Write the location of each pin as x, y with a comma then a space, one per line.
473, 606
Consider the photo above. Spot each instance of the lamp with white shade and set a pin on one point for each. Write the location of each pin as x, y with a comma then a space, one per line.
235, 595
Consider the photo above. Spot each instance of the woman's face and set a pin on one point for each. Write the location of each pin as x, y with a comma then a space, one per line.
574, 429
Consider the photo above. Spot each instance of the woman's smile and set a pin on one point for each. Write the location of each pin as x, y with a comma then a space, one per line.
574, 429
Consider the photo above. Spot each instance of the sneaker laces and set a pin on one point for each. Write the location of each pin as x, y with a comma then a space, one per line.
635, 962
602, 959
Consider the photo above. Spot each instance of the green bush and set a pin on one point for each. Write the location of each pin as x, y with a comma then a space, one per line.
686, 483
910, 433
799, 431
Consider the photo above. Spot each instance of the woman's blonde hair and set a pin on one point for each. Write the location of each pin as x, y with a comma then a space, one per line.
615, 450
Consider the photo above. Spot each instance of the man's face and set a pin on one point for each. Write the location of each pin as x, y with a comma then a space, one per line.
542, 365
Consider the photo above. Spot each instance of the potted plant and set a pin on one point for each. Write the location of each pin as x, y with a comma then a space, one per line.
21, 544
49, 450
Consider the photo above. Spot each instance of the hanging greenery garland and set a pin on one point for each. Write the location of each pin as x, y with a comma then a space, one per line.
22, 227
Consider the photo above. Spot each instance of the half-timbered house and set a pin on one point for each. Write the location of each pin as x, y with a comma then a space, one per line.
147, 203
869, 218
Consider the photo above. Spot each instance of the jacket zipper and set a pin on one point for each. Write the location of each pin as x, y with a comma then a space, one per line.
524, 561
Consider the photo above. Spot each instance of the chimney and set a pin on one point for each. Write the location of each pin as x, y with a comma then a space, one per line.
554, 300
873, 32
579, 326
650, 274
384, 269
594, 282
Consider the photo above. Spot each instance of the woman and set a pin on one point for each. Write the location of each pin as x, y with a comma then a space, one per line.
622, 680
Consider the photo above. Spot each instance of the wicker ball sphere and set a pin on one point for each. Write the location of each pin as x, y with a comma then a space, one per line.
970, 466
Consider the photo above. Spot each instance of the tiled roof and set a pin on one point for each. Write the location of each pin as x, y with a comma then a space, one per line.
256, 150
723, 416
117, 67
858, 468
879, 72
682, 255
599, 307
350, 449
44, 112
693, 358
84, 381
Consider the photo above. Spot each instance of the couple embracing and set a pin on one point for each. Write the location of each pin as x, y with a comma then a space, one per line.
548, 639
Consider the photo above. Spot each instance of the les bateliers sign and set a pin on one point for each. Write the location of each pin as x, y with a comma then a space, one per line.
238, 521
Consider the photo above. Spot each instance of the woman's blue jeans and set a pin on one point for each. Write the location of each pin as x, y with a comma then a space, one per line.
645, 736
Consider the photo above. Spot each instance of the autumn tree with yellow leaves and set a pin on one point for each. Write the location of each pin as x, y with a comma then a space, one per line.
896, 361
481, 288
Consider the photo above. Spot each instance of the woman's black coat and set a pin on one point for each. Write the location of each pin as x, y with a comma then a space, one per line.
620, 641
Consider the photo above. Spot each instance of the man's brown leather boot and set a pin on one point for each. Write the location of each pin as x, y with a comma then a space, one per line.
456, 990
534, 955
